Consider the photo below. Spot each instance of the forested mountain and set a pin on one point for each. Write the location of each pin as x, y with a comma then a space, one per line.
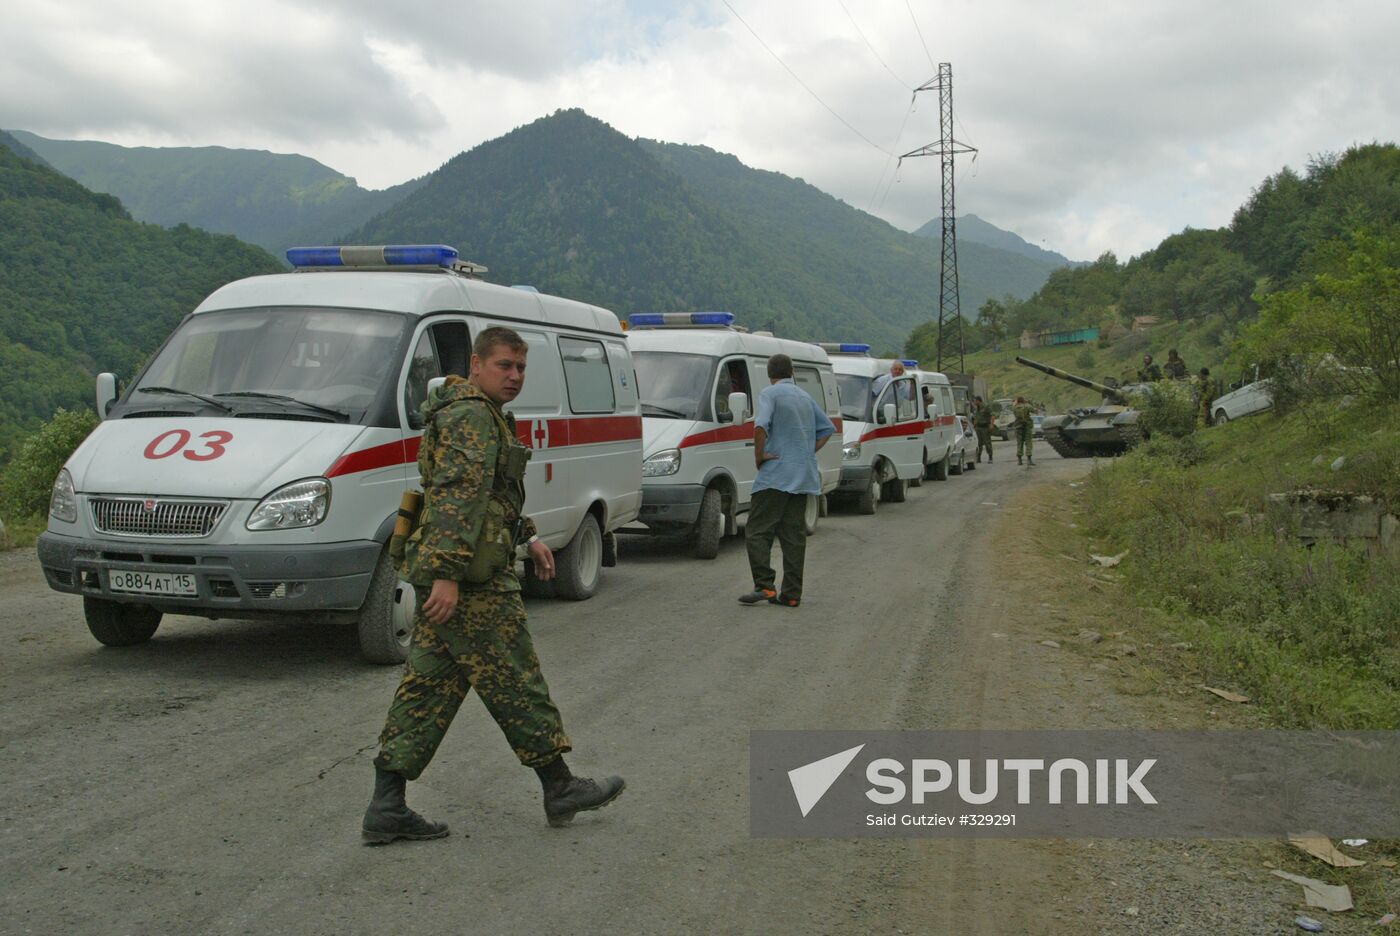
19, 149
84, 289
270, 199
573, 207
973, 230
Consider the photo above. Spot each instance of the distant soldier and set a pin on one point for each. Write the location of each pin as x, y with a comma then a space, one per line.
982, 424
1175, 368
1206, 392
1150, 373
1024, 427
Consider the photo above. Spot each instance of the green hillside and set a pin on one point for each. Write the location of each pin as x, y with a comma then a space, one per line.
573, 207
973, 230
270, 199
85, 289
849, 250
19, 149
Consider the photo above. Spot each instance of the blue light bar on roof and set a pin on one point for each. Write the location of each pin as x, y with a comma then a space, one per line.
910, 363
439, 255
679, 319
834, 347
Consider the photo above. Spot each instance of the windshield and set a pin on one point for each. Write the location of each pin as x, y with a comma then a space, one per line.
336, 359
855, 396
674, 386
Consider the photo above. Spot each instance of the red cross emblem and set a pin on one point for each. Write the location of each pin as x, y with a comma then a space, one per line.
541, 434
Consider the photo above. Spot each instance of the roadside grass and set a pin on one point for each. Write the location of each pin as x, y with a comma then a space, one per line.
23, 533
1311, 634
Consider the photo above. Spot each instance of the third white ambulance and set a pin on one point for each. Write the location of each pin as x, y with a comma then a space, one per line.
882, 424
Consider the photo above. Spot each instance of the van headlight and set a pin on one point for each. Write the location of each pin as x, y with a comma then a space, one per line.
299, 504
63, 502
662, 464
851, 451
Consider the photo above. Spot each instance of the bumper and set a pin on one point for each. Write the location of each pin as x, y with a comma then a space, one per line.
854, 479
671, 503
229, 580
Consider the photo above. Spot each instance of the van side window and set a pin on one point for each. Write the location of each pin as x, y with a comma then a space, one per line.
422, 367
905, 396
733, 378
808, 379
540, 396
587, 375
947, 405
454, 348
833, 395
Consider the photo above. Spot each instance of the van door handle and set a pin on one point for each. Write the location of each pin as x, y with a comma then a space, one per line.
748, 445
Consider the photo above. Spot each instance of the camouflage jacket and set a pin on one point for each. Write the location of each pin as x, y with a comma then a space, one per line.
982, 417
1023, 412
461, 459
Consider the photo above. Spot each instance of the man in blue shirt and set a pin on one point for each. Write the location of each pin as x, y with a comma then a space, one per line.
789, 429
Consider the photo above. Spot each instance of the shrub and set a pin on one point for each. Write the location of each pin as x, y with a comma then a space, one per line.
1084, 360
27, 480
1168, 408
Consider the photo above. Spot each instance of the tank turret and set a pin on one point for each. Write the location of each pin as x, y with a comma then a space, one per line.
1110, 428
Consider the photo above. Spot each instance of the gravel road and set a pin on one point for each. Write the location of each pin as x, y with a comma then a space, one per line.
213, 779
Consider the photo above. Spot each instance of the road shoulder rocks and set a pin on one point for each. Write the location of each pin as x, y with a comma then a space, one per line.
1052, 642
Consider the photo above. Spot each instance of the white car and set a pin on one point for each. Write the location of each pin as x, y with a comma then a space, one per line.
964, 455
1245, 399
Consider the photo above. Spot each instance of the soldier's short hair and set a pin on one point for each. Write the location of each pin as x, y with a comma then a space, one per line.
779, 367
496, 336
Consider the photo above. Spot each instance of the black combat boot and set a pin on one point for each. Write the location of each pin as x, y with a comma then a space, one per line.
566, 795
388, 816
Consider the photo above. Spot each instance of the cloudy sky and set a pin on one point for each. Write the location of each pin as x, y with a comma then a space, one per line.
1101, 125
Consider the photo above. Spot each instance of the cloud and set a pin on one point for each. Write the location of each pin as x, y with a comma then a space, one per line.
1100, 125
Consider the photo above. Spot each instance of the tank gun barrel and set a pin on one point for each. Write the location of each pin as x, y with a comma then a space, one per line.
1110, 392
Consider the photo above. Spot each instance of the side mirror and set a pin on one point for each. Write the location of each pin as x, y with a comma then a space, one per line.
106, 393
739, 406
933, 411
435, 383
887, 411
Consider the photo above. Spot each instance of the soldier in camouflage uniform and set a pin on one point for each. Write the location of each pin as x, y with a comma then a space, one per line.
1206, 392
982, 424
1024, 428
469, 629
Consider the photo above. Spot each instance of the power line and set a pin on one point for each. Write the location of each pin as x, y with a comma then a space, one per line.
920, 33
814, 94
899, 136
906, 85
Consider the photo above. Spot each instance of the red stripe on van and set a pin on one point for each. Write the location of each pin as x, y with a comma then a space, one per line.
738, 433
898, 429
577, 430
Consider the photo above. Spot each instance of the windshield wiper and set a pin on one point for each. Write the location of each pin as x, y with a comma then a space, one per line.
663, 411
171, 390
259, 395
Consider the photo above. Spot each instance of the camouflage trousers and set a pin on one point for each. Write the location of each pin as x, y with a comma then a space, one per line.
984, 441
1024, 440
484, 646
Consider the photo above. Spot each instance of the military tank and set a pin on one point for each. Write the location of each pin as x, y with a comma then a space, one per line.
1111, 428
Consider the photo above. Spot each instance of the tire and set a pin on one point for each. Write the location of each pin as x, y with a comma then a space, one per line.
120, 625
955, 464
1221, 418
870, 497
609, 550
940, 467
579, 565
972, 465
823, 506
709, 526
894, 491
385, 621
811, 513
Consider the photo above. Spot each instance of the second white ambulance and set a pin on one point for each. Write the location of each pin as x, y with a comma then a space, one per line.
700, 377
255, 466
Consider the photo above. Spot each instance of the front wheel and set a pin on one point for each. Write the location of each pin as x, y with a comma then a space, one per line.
811, 513
709, 526
956, 463
894, 491
1221, 418
940, 468
385, 622
579, 565
120, 625
870, 497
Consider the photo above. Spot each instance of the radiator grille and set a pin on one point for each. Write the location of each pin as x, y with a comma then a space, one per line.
167, 519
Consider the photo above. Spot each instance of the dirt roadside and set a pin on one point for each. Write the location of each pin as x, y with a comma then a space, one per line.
1030, 583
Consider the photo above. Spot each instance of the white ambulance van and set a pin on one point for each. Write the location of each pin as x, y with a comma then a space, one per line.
882, 427
936, 399
255, 466
699, 378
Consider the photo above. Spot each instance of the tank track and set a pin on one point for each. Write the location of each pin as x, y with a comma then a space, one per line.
1132, 436
1065, 447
